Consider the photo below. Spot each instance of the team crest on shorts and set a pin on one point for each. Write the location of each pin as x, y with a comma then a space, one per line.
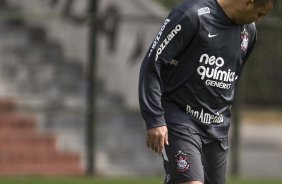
167, 178
181, 159
244, 40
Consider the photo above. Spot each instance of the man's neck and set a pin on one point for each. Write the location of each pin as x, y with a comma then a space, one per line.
228, 7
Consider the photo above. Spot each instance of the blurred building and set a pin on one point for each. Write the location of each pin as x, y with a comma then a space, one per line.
44, 55
41, 73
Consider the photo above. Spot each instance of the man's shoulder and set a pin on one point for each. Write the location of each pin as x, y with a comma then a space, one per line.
190, 7
251, 28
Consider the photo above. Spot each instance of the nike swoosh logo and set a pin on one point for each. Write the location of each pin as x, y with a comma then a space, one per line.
211, 36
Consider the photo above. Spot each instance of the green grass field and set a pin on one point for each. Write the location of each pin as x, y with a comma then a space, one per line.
38, 180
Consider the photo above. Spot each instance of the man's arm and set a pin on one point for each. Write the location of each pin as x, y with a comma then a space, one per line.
173, 37
252, 42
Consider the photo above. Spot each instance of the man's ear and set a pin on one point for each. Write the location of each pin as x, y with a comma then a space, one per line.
249, 2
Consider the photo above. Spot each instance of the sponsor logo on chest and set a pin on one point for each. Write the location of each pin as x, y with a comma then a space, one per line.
213, 72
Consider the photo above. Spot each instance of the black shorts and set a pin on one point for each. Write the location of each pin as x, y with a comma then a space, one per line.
191, 157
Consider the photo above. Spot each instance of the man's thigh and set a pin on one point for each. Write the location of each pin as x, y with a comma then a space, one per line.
182, 157
214, 159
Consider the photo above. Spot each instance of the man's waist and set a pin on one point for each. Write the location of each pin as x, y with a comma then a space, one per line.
203, 114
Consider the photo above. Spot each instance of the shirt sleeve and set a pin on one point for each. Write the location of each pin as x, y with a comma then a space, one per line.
174, 36
252, 42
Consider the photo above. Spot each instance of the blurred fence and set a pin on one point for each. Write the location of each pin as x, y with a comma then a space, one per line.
43, 86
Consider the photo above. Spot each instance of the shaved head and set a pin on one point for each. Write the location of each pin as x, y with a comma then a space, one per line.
246, 11
263, 2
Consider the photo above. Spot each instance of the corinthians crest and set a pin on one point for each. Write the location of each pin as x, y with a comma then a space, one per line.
244, 40
181, 159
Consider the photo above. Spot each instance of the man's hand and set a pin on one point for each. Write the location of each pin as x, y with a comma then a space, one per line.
156, 138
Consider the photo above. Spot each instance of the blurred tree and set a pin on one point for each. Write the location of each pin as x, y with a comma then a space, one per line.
278, 9
3, 4
169, 3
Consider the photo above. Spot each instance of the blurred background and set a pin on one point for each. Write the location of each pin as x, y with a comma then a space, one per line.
68, 90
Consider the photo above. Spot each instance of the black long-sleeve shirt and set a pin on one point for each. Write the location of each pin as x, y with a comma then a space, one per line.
192, 68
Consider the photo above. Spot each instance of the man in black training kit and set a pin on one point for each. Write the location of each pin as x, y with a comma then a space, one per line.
187, 83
